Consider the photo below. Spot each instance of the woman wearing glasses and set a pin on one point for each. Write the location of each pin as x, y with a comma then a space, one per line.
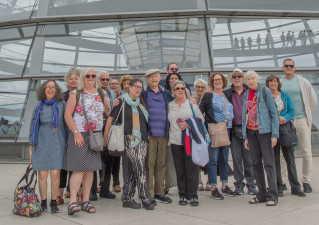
200, 88
135, 142
80, 158
186, 171
218, 109
47, 140
260, 135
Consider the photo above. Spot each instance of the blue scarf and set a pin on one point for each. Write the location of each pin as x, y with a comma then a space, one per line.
54, 123
136, 131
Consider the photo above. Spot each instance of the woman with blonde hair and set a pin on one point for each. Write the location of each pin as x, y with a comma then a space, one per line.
80, 158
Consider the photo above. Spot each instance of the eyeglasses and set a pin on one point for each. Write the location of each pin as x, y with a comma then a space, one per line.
217, 80
291, 66
104, 79
138, 87
114, 83
200, 87
50, 87
237, 76
88, 76
174, 69
179, 88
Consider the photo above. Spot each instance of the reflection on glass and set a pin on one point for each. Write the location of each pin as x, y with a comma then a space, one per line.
76, 7
264, 42
12, 98
284, 5
15, 9
120, 46
14, 47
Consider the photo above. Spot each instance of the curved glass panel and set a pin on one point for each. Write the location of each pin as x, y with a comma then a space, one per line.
120, 46
14, 47
15, 9
89, 7
284, 5
264, 43
12, 99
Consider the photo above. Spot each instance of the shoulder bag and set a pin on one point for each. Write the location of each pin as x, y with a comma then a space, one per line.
96, 139
207, 137
287, 135
115, 143
26, 202
218, 132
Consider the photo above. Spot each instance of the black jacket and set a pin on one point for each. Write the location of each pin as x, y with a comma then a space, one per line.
229, 93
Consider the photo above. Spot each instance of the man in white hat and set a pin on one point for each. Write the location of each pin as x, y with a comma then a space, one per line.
241, 156
156, 98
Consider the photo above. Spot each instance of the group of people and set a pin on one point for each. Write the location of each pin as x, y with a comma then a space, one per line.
155, 118
286, 39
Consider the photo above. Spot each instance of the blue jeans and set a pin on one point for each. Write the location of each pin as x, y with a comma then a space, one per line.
220, 154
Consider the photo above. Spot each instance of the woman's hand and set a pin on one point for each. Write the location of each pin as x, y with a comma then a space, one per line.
78, 139
282, 120
183, 125
116, 102
193, 100
273, 142
30, 153
246, 144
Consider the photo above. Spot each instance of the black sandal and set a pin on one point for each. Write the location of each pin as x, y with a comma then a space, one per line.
256, 201
73, 208
87, 206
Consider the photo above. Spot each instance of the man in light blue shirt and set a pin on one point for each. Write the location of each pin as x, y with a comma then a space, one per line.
304, 100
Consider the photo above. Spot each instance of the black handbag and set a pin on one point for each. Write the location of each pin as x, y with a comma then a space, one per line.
287, 135
237, 132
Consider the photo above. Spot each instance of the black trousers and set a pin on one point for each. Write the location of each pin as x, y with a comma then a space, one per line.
186, 171
263, 157
289, 156
63, 178
111, 166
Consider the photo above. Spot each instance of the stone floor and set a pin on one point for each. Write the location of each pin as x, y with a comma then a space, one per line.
233, 210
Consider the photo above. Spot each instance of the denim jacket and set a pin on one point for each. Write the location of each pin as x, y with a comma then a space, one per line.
267, 116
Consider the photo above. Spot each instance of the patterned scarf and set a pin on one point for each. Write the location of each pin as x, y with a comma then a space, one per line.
54, 123
136, 133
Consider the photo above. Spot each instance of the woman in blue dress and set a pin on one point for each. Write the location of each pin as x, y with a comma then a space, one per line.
47, 140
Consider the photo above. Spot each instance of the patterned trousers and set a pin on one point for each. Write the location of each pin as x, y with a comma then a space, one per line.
136, 175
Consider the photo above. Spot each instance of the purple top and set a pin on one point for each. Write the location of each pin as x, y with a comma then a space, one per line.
237, 101
157, 112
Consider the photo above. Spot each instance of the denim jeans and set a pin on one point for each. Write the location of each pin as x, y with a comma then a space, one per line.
221, 155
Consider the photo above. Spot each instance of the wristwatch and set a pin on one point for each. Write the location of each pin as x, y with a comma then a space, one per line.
76, 131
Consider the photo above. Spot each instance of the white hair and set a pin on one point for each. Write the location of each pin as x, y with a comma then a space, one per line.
250, 73
82, 77
201, 80
99, 73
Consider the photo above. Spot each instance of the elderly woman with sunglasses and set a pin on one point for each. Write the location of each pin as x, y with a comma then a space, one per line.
47, 140
80, 158
218, 109
186, 171
260, 134
287, 112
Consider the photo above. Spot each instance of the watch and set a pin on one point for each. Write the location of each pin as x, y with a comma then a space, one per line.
76, 131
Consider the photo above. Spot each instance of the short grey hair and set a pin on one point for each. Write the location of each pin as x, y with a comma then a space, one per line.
99, 73
72, 71
250, 73
201, 80
82, 77
176, 83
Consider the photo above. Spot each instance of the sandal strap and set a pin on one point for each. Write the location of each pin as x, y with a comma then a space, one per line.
87, 206
72, 206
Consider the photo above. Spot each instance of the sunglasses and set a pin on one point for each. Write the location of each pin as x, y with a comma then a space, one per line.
104, 79
174, 69
179, 88
237, 76
88, 76
291, 66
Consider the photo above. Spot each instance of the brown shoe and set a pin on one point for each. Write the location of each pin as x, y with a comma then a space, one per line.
117, 188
